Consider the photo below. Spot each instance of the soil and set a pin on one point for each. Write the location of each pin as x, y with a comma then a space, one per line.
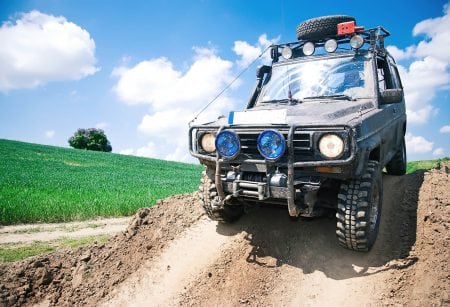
171, 254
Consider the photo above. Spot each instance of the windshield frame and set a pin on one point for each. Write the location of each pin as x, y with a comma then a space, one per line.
369, 76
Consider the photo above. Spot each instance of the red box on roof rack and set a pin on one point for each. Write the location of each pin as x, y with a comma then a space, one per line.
346, 28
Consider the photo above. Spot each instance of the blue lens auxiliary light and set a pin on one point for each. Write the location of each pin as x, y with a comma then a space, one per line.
228, 144
271, 144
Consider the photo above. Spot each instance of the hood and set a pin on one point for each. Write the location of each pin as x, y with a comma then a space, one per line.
339, 112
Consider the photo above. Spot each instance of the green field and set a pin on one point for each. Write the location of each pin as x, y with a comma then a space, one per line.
428, 164
51, 184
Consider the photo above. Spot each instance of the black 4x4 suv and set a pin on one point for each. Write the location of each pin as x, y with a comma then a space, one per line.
321, 124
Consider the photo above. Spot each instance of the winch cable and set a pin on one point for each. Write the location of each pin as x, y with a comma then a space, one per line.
230, 84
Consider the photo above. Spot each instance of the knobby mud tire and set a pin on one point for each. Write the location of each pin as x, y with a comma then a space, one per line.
359, 210
321, 27
210, 201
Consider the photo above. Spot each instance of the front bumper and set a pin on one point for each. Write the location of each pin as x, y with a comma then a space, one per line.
290, 164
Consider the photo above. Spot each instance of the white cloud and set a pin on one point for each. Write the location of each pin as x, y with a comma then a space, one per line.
174, 97
157, 83
148, 151
417, 144
437, 32
127, 151
399, 54
429, 71
49, 134
40, 48
422, 80
445, 129
249, 53
439, 152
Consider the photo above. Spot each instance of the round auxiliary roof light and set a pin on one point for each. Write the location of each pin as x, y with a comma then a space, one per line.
227, 144
271, 144
286, 53
331, 45
308, 48
356, 41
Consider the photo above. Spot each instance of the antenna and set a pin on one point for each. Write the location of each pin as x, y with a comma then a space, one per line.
229, 85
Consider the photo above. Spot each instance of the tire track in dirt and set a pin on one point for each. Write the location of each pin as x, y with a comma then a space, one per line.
161, 280
280, 262
46, 232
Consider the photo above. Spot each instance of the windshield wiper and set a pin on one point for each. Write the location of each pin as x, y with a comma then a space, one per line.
337, 97
285, 100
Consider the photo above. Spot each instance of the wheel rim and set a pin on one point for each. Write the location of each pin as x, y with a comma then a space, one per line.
373, 216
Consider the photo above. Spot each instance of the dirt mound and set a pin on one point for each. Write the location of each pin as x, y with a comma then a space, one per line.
427, 283
172, 255
84, 276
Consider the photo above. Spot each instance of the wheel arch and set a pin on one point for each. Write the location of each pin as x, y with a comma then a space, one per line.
370, 150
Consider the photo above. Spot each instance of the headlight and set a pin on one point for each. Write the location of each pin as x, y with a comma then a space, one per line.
271, 144
228, 144
331, 145
207, 142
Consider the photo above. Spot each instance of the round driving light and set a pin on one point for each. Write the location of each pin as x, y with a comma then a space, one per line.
228, 144
271, 144
331, 45
356, 41
208, 142
331, 145
308, 48
286, 53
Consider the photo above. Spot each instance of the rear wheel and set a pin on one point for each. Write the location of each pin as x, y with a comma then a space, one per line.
397, 166
321, 27
359, 210
226, 212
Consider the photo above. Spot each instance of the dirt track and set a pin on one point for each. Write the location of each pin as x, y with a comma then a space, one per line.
173, 255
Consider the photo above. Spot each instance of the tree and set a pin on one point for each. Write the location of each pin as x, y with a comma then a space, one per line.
90, 139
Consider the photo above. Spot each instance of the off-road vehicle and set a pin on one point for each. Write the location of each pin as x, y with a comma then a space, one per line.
324, 120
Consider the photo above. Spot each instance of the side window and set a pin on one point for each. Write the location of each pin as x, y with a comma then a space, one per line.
395, 76
385, 78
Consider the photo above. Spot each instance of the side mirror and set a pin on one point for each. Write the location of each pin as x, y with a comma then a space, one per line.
392, 95
262, 70
274, 54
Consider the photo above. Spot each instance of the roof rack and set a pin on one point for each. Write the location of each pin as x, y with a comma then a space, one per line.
373, 38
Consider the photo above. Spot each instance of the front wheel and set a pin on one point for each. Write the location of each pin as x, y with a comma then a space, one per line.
227, 212
359, 210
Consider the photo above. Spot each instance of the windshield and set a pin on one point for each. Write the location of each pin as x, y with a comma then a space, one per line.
344, 76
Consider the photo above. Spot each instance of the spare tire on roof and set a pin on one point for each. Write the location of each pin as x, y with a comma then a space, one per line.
321, 27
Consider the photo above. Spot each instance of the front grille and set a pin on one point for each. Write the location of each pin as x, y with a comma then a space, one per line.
249, 149
304, 142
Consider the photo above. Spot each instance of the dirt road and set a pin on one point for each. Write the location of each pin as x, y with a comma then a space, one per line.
28, 233
173, 255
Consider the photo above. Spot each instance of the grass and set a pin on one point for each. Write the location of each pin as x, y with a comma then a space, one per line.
425, 165
14, 252
41, 183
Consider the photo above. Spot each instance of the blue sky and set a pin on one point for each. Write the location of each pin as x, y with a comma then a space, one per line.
141, 69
